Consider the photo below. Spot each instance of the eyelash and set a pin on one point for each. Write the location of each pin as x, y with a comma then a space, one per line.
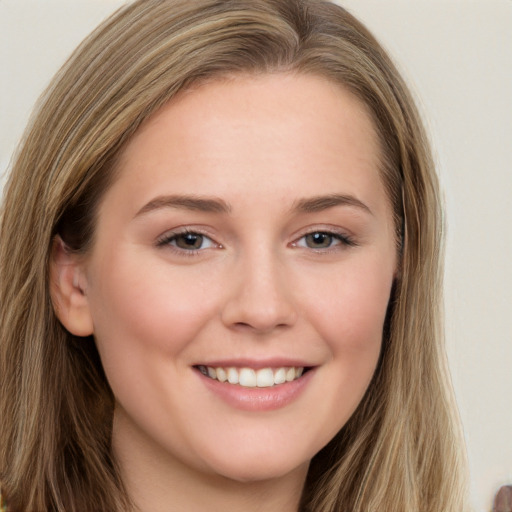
169, 239
343, 240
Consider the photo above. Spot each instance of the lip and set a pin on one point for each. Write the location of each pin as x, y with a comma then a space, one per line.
257, 399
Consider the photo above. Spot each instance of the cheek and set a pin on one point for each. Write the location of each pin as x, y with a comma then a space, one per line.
350, 319
352, 309
148, 310
350, 316
146, 319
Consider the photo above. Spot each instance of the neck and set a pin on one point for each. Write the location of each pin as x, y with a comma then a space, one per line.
158, 482
171, 494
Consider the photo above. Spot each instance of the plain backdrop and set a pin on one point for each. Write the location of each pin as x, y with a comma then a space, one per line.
457, 57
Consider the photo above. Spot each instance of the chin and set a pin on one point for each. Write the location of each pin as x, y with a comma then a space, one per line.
258, 469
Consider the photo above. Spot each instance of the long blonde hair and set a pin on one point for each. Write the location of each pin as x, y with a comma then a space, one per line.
401, 450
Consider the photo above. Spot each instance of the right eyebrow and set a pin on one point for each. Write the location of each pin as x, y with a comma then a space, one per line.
186, 202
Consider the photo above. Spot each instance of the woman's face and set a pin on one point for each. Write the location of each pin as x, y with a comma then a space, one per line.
248, 236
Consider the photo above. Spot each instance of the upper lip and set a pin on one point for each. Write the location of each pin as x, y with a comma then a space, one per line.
256, 364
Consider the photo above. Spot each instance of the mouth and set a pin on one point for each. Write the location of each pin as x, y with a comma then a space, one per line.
253, 378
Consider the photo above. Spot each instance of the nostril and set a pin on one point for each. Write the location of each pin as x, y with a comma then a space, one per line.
259, 327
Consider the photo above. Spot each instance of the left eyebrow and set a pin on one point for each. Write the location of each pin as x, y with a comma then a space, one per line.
321, 203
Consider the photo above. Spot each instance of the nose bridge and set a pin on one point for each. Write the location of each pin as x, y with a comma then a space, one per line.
260, 294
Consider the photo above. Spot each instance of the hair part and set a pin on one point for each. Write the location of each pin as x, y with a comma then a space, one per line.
400, 450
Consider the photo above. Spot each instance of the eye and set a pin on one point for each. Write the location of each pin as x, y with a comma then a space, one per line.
187, 241
322, 240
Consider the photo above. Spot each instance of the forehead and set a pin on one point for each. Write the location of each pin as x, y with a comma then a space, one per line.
310, 101
285, 130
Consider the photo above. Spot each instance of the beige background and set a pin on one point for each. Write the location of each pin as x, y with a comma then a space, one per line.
457, 56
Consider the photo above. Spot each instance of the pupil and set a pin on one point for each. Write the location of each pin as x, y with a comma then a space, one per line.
189, 241
319, 240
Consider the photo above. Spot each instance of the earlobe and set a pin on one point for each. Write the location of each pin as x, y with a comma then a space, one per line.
68, 290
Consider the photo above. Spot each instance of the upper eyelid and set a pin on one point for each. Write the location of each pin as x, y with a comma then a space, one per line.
331, 230
184, 230
174, 233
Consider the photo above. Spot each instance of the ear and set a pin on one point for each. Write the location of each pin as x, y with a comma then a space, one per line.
68, 287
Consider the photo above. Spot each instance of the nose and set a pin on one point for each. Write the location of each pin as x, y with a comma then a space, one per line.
260, 296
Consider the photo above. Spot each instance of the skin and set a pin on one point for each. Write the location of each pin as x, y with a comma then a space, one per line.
257, 288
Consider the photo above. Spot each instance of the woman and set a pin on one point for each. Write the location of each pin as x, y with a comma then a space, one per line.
220, 256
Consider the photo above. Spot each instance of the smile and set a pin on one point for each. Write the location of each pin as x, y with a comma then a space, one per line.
250, 378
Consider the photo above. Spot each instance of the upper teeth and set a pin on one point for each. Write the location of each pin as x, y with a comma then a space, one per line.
249, 378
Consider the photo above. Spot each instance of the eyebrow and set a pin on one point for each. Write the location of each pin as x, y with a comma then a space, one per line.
321, 203
216, 205
186, 202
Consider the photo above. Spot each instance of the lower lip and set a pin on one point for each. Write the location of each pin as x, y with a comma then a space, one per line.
258, 399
